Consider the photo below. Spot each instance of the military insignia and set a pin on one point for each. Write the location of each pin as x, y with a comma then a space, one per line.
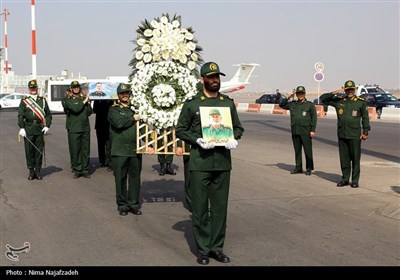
340, 111
221, 98
202, 97
304, 113
213, 66
349, 84
354, 113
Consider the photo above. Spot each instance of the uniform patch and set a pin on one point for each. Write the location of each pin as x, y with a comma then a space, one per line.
221, 97
304, 113
354, 113
202, 97
340, 111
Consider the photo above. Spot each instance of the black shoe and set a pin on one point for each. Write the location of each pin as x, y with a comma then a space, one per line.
109, 168
102, 165
162, 169
135, 211
38, 175
169, 170
203, 259
219, 256
86, 175
31, 175
308, 172
296, 171
123, 212
354, 185
342, 183
76, 175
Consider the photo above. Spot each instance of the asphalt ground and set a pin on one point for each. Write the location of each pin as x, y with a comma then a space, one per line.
274, 218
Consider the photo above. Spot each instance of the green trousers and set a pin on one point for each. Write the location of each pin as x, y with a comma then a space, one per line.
186, 174
127, 170
33, 156
80, 151
209, 192
350, 157
303, 141
165, 158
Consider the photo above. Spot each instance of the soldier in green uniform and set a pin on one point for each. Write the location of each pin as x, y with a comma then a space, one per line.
210, 167
34, 120
216, 131
127, 164
303, 121
351, 112
78, 109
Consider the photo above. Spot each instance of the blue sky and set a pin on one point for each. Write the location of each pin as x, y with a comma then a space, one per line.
357, 40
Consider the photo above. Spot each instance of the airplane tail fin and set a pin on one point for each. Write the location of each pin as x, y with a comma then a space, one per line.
244, 72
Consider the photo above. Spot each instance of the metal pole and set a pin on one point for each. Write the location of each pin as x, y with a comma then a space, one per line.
6, 13
33, 39
318, 92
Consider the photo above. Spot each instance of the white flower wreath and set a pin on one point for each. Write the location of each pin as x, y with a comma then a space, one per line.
163, 39
159, 90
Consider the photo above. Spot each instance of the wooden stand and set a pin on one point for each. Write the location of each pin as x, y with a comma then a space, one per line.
164, 143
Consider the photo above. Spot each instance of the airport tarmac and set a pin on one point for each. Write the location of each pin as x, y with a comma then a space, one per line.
274, 218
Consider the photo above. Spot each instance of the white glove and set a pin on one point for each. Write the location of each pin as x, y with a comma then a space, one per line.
45, 130
22, 132
204, 144
231, 144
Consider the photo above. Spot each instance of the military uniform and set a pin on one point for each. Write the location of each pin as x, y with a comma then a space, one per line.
102, 126
303, 120
209, 172
34, 127
166, 160
127, 164
78, 127
350, 113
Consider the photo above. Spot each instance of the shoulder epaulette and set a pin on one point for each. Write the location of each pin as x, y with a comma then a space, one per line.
115, 105
341, 97
225, 96
360, 98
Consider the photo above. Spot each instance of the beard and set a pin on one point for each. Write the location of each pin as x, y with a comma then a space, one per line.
212, 86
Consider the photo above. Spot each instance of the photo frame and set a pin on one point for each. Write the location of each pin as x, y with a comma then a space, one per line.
216, 125
103, 90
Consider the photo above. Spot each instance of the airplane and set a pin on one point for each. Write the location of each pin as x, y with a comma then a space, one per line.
240, 79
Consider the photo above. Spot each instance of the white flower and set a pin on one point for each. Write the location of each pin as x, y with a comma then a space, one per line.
148, 32
147, 58
139, 55
154, 23
141, 42
176, 24
159, 103
164, 20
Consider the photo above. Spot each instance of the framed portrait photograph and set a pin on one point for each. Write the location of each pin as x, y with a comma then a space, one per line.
216, 124
103, 90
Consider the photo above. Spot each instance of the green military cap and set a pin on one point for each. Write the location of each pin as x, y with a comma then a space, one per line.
32, 84
75, 84
123, 88
300, 89
214, 112
349, 85
210, 68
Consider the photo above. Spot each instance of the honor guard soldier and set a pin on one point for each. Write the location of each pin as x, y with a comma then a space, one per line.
78, 109
127, 164
210, 166
34, 120
352, 112
303, 121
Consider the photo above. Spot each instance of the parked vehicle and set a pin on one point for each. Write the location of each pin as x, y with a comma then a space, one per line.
11, 100
380, 100
269, 98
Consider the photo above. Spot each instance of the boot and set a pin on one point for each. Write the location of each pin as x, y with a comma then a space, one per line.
162, 169
31, 174
169, 170
37, 174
